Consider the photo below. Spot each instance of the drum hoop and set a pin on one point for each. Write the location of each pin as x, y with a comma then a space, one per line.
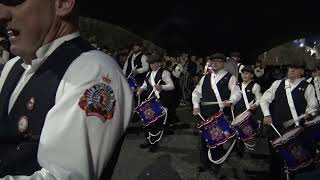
212, 119
305, 164
227, 139
283, 141
156, 119
313, 122
237, 123
144, 102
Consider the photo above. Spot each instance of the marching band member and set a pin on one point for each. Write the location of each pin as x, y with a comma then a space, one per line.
315, 81
136, 67
159, 81
250, 92
250, 101
64, 106
279, 105
219, 86
136, 64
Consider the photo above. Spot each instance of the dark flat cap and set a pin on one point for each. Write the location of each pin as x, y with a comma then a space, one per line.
218, 56
154, 58
247, 69
296, 66
235, 54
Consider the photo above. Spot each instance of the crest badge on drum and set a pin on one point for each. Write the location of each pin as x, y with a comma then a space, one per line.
216, 133
23, 124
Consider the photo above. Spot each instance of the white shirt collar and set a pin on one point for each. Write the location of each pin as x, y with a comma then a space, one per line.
297, 81
44, 51
220, 72
247, 82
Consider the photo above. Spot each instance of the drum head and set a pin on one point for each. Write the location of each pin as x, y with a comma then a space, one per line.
287, 136
241, 117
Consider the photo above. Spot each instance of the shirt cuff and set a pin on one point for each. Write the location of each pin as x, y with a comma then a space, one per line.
196, 105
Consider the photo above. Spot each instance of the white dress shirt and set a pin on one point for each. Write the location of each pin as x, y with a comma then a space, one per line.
176, 72
74, 146
269, 96
256, 90
235, 95
145, 65
316, 82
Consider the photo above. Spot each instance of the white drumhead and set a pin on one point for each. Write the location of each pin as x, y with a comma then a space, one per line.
287, 135
241, 117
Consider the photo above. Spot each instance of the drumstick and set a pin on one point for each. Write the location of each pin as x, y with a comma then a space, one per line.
292, 121
201, 117
232, 108
153, 90
213, 103
246, 109
131, 71
275, 129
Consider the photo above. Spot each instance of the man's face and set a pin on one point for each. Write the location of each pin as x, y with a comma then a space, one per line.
294, 73
28, 24
216, 64
136, 49
155, 66
246, 76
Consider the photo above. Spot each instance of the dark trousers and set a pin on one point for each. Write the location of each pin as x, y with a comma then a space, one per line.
154, 128
216, 153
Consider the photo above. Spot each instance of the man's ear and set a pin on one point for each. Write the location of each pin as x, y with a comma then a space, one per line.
64, 7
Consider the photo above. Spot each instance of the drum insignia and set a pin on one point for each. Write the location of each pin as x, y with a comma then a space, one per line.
247, 130
99, 101
216, 133
297, 152
148, 112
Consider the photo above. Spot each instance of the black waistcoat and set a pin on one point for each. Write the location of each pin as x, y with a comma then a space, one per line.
137, 62
164, 95
241, 106
209, 96
18, 150
279, 108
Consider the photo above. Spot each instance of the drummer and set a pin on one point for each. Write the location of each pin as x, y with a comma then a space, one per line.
304, 101
250, 91
159, 80
315, 81
250, 100
219, 86
136, 67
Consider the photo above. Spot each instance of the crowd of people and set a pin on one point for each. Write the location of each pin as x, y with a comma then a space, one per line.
229, 97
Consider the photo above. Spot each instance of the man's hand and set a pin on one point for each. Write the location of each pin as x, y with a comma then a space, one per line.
158, 87
135, 72
253, 107
227, 103
196, 111
267, 120
139, 91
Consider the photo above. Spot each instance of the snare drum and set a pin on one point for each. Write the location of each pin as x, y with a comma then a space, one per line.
293, 149
150, 111
313, 128
216, 130
132, 83
246, 126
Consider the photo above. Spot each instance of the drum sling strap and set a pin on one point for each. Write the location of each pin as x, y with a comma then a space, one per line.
290, 102
244, 95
